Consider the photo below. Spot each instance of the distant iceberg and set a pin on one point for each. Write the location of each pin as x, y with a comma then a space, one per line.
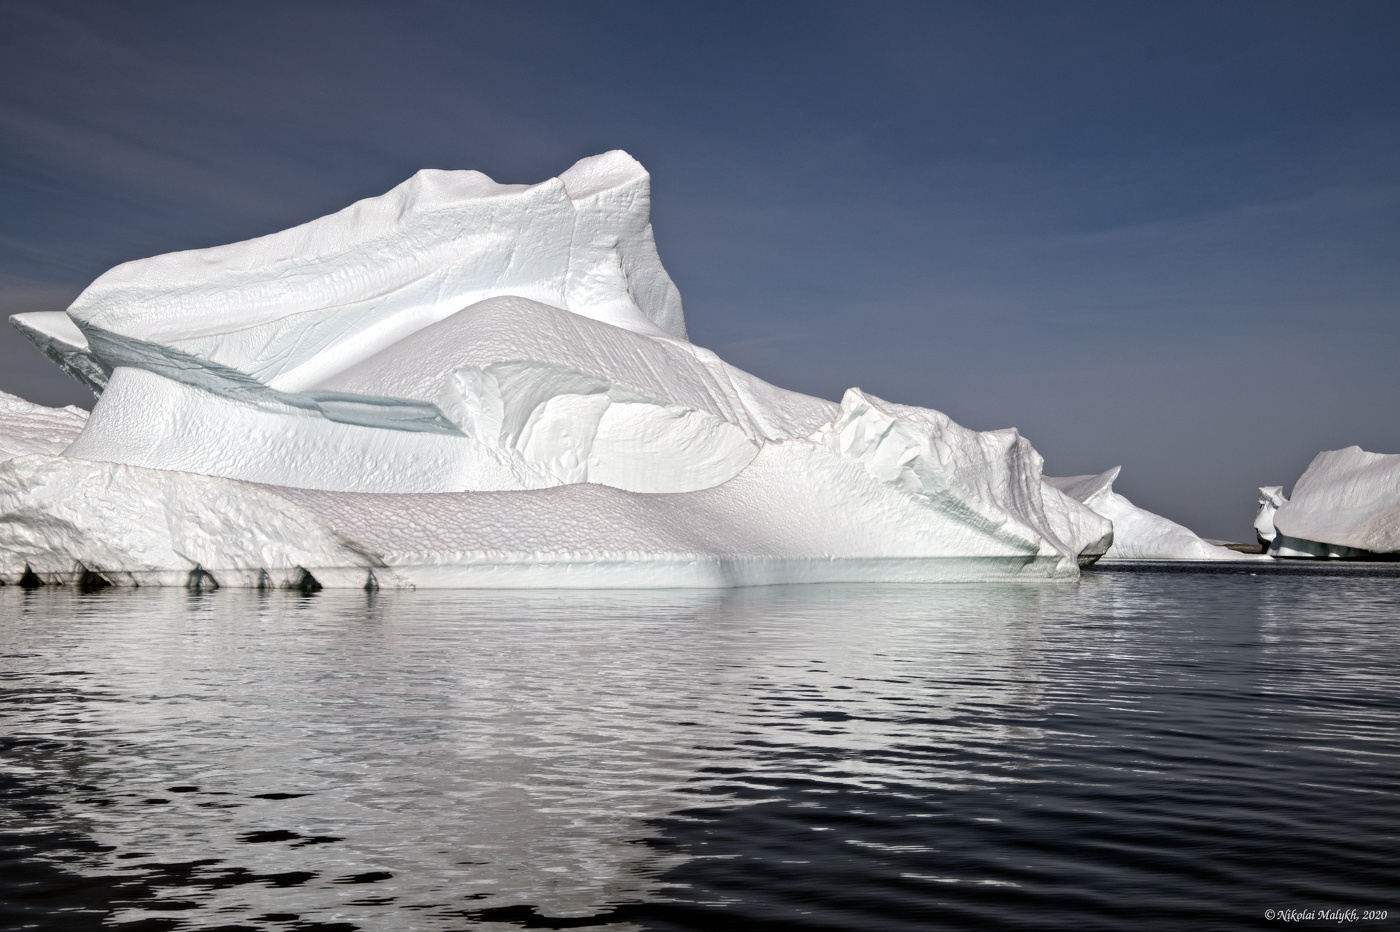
463, 383
1345, 505
1271, 498
1138, 534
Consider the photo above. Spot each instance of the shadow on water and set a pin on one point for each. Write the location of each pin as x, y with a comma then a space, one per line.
1133, 750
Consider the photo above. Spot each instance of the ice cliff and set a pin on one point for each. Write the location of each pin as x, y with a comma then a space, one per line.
1346, 504
464, 383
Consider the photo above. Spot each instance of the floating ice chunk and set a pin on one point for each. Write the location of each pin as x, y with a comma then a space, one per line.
871, 497
1271, 497
1138, 534
30, 428
1346, 504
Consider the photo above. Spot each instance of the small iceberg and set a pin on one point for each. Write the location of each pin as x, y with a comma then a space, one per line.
1138, 534
1346, 505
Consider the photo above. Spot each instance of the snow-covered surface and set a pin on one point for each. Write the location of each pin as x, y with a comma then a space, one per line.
1138, 534
462, 383
1346, 504
30, 428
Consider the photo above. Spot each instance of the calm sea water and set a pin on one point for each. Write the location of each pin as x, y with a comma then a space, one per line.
1130, 751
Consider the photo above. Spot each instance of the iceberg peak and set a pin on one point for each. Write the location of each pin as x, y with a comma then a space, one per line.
288, 310
596, 174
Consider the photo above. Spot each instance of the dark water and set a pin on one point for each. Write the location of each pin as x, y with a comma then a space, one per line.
1134, 751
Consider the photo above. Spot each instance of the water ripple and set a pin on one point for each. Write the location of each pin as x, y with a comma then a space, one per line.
1133, 750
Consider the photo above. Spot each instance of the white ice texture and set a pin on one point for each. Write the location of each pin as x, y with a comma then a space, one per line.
1138, 534
464, 383
1271, 498
1346, 504
30, 428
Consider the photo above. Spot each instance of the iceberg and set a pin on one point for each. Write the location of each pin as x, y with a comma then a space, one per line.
465, 383
1345, 505
1138, 534
1271, 498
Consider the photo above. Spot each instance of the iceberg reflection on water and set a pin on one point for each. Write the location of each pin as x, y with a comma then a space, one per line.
417, 760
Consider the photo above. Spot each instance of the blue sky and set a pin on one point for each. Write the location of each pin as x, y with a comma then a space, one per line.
1161, 236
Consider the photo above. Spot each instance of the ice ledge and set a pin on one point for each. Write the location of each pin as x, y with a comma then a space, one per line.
58, 338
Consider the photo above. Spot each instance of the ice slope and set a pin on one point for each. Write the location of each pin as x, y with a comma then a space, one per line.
30, 428
987, 476
466, 383
1138, 534
67, 520
1346, 504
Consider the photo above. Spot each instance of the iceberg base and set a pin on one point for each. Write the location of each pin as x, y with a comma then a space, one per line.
702, 571
75, 522
562, 571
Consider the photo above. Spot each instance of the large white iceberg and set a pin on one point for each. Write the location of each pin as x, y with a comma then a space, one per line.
462, 383
1138, 534
1346, 504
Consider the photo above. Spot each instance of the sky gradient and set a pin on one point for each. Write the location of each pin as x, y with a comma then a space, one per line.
1161, 236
